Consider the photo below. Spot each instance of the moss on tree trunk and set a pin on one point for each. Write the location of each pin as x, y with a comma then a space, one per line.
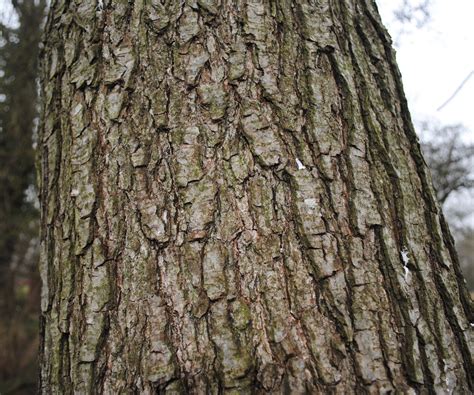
234, 201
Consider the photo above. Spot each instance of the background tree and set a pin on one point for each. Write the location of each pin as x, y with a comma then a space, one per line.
449, 158
234, 199
407, 17
19, 285
413, 12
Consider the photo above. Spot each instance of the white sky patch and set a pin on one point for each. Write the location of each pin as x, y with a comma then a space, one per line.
300, 164
435, 59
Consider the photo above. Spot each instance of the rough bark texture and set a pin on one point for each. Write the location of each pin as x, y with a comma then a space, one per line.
234, 200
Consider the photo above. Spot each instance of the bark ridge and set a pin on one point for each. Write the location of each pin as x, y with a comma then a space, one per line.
234, 200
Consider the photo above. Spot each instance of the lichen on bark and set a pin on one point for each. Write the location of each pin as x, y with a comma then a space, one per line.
227, 188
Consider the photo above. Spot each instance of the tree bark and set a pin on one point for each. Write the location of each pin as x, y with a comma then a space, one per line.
234, 200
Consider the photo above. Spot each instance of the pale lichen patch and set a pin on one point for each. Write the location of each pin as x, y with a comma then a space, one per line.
114, 102
153, 225
189, 26
121, 62
200, 214
237, 61
214, 97
311, 203
210, 6
139, 157
196, 59
213, 271
82, 71
264, 139
158, 15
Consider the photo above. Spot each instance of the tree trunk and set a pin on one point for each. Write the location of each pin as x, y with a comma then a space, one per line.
234, 200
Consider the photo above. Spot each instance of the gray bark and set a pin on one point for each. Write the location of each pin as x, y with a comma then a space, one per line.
234, 201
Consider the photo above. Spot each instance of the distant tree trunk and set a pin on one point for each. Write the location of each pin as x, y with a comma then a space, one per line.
234, 200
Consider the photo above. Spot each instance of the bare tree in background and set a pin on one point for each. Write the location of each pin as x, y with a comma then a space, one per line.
413, 12
449, 158
409, 16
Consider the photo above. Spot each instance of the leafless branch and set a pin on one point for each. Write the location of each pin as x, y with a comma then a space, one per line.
456, 91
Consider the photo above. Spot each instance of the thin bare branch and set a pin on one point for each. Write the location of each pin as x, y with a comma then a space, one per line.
456, 91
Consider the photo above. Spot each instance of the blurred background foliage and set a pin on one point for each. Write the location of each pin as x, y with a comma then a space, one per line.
19, 279
448, 155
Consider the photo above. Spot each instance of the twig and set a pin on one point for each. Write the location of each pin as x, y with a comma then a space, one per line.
456, 91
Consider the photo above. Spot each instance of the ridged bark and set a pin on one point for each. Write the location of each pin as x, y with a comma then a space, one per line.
234, 201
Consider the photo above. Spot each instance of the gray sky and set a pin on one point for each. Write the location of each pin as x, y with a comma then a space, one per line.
435, 59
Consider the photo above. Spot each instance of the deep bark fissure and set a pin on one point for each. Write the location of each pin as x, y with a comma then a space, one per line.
234, 200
